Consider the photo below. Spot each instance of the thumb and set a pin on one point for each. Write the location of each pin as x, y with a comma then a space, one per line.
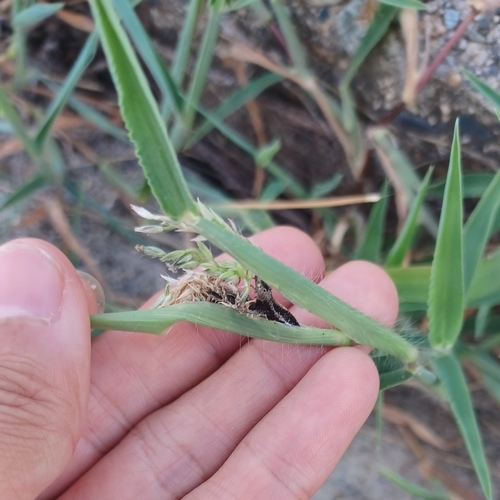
44, 365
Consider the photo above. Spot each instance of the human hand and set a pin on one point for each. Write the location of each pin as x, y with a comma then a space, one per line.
197, 413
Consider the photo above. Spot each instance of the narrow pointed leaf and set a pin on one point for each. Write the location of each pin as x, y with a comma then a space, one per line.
485, 287
266, 153
233, 103
274, 168
140, 112
473, 185
413, 283
485, 90
405, 238
148, 53
98, 119
84, 59
491, 385
295, 47
304, 293
412, 488
481, 322
35, 14
446, 290
183, 49
378, 27
405, 4
323, 188
103, 213
405, 171
17, 125
371, 244
23, 192
478, 228
156, 321
450, 373
199, 77
391, 370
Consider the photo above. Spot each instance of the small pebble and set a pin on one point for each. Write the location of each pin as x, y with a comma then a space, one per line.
323, 14
451, 18
454, 80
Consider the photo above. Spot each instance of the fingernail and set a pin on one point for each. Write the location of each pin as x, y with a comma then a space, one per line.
31, 282
96, 289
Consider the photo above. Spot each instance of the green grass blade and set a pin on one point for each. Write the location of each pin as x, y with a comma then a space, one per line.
23, 192
491, 385
119, 182
489, 370
371, 244
481, 322
323, 188
406, 173
233, 103
53, 162
140, 112
474, 185
357, 150
156, 321
294, 45
452, 378
103, 213
412, 488
485, 90
378, 27
446, 290
405, 4
18, 126
84, 59
98, 119
305, 293
148, 53
478, 228
35, 14
274, 168
394, 378
486, 363
413, 284
199, 77
266, 153
183, 49
391, 371
493, 340
405, 238
239, 4
18, 6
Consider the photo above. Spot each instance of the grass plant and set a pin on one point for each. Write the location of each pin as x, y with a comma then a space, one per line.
464, 274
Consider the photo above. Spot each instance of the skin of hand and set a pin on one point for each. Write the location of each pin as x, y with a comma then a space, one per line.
198, 413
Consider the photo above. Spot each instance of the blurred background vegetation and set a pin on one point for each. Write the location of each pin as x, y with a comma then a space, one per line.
326, 115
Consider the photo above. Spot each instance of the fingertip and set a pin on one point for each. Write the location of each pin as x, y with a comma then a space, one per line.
294, 248
358, 369
68, 270
366, 287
